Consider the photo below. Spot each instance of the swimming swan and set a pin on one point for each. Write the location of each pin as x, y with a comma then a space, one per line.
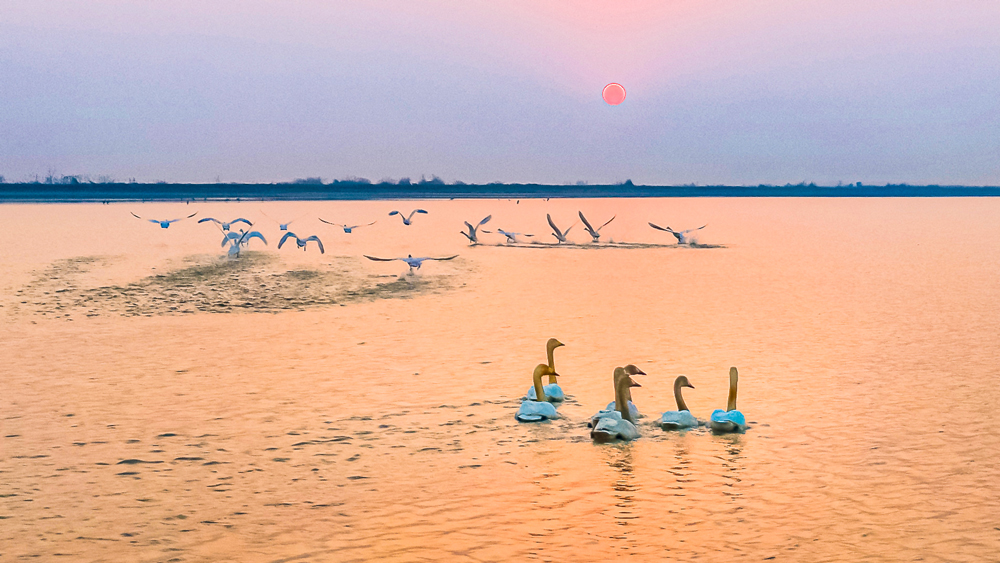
552, 391
630, 369
536, 411
682, 417
619, 425
729, 420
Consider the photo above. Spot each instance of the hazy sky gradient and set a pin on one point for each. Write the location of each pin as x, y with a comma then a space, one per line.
738, 92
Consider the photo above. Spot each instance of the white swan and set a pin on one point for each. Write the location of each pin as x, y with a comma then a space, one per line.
225, 224
681, 236
511, 237
282, 226
347, 228
594, 233
407, 219
729, 420
619, 425
536, 411
552, 391
471, 235
630, 369
301, 242
165, 224
560, 235
413, 263
682, 417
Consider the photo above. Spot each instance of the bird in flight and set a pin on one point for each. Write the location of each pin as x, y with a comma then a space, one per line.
224, 224
301, 242
282, 226
409, 218
471, 235
165, 224
237, 241
347, 228
594, 233
682, 236
511, 237
413, 263
560, 235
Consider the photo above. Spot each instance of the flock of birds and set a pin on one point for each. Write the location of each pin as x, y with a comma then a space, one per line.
617, 421
237, 241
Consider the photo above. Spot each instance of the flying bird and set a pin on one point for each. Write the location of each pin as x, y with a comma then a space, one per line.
560, 235
165, 224
347, 228
301, 242
413, 263
682, 236
594, 233
282, 226
408, 219
237, 241
225, 225
511, 237
471, 235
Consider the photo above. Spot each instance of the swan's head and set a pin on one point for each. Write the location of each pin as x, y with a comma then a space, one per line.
682, 381
540, 370
631, 369
553, 344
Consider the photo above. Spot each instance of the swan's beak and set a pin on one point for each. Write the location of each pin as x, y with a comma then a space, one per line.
689, 385
639, 371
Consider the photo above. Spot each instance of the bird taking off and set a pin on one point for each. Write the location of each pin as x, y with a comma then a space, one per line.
413, 263
560, 235
471, 235
682, 236
301, 242
165, 224
347, 228
408, 218
224, 224
594, 233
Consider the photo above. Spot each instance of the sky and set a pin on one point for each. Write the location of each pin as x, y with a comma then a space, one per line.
737, 92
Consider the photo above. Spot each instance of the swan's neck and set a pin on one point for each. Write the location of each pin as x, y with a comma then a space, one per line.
552, 364
731, 406
681, 405
622, 398
539, 392
552, 379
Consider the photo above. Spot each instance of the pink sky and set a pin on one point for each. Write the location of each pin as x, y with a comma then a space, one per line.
768, 91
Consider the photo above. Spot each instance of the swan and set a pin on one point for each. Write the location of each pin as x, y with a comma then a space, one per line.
301, 242
552, 391
682, 237
594, 233
471, 235
282, 226
619, 424
347, 228
413, 263
560, 235
407, 219
536, 411
729, 420
237, 241
165, 224
225, 224
630, 369
682, 417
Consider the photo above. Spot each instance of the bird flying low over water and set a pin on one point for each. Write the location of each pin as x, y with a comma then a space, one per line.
594, 233
560, 235
511, 237
409, 218
165, 224
413, 263
238, 240
347, 228
224, 224
282, 226
471, 235
682, 237
301, 242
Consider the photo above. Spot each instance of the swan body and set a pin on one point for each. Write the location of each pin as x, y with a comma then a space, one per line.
301, 242
537, 411
409, 218
471, 235
681, 236
552, 391
594, 233
347, 228
165, 224
682, 417
729, 420
633, 411
618, 424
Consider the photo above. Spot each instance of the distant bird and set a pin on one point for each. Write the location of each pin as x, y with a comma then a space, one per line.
282, 226
413, 263
471, 235
511, 237
237, 241
301, 242
225, 226
594, 233
560, 235
682, 237
347, 228
408, 219
165, 224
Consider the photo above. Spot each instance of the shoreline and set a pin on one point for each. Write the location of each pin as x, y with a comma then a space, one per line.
344, 191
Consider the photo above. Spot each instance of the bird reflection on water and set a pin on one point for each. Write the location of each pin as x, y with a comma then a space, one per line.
624, 487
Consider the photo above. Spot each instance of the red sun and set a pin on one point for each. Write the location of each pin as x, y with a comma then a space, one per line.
614, 93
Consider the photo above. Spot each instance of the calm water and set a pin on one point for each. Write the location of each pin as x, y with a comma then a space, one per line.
158, 403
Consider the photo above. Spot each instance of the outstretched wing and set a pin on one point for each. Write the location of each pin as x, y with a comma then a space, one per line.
448, 258
319, 242
668, 229
553, 225
365, 225
393, 212
467, 235
288, 235
586, 223
253, 234
216, 221
692, 230
136, 216
484, 221
606, 224
380, 259
241, 219
418, 211
322, 220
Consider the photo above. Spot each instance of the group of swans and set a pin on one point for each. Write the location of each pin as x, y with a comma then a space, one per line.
618, 420
683, 237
